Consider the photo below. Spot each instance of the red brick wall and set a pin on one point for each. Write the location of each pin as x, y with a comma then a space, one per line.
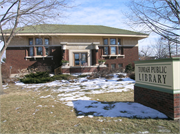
15, 57
81, 70
166, 103
131, 55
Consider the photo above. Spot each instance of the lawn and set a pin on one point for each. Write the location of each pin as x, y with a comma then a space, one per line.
78, 106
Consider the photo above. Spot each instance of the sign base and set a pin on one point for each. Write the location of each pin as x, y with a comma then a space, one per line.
164, 102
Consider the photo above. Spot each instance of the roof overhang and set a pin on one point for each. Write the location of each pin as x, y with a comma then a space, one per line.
78, 34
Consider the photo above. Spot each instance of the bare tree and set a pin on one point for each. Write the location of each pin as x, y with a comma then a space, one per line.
20, 13
145, 52
159, 16
161, 49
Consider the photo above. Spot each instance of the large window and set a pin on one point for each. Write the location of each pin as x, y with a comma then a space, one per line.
113, 41
105, 41
113, 50
31, 52
105, 50
80, 59
39, 49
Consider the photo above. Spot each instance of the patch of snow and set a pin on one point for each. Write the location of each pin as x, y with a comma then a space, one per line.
45, 96
18, 108
39, 106
5, 86
118, 109
51, 75
100, 120
80, 116
145, 132
90, 116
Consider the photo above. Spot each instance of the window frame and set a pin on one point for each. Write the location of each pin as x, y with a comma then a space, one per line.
41, 51
80, 58
114, 52
120, 64
107, 50
39, 41
104, 41
114, 66
113, 41
119, 42
31, 49
46, 48
119, 50
36, 42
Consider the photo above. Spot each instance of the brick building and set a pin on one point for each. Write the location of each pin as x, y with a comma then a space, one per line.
82, 45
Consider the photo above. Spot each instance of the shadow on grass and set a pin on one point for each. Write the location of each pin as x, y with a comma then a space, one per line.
131, 110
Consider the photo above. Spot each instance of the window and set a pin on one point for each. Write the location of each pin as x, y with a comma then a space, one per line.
113, 50
105, 50
80, 59
113, 66
46, 41
39, 50
105, 41
38, 41
31, 52
119, 41
119, 50
113, 41
120, 65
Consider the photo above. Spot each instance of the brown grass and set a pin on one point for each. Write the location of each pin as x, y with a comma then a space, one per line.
21, 113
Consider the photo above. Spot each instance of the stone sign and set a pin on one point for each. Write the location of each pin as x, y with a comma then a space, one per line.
157, 79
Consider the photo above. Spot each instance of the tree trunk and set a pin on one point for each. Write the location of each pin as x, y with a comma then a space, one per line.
1, 88
169, 45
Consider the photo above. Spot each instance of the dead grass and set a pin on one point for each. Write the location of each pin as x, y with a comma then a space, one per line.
109, 97
23, 111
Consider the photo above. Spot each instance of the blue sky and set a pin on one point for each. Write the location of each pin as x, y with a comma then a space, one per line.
104, 12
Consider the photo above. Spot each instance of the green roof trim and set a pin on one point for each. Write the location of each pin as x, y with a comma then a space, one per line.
158, 60
86, 29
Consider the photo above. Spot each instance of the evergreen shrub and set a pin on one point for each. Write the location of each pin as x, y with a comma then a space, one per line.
38, 77
129, 68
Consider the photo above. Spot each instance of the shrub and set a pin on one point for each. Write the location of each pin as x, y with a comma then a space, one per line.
63, 77
129, 68
38, 77
101, 60
81, 76
64, 61
105, 73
